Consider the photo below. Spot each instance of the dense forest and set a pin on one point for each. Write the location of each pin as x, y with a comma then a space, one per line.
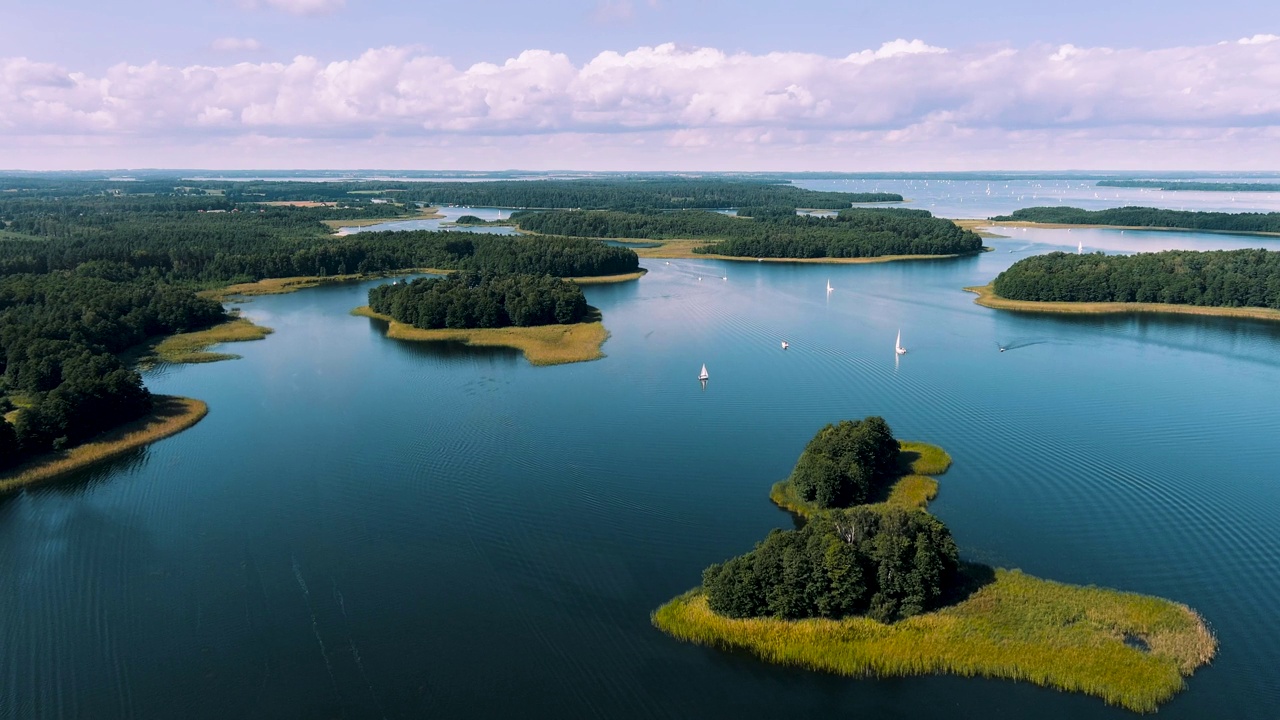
59, 333
886, 563
1187, 185
862, 232
846, 463
472, 300
1150, 217
1219, 278
669, 192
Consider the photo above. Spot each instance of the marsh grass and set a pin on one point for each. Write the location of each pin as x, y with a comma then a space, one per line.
190, 347
541, 345
605, 279
169, 415
987, 297
1015, 627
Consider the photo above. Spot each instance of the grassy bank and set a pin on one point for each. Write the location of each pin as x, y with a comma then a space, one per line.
1131, 650
170, 415
1015, 627
541, 345
988, 298
977, 226
913, 489
683, 250
424, 214
606, 279
279, 286
191, 347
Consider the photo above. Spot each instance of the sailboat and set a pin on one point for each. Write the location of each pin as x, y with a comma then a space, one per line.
785, 344
703, 375
829, 288
897, 344
1080, 248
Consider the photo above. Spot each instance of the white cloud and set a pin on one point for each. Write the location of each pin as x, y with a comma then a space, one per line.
231, 44
672, 99
296, 7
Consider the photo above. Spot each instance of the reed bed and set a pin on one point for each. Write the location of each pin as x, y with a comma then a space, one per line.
541, 345
170, 415
1017, 627
190, 347
606, 279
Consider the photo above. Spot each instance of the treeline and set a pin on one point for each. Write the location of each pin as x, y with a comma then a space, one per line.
1150, 217
1217, 278
59, 334
1187, 185
846, 463
471, 300
862, 232
887, 564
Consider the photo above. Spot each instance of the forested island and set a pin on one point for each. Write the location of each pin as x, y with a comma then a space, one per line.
472, 300
1192, 185
1145, 217
1231, 282
770, 231
879, 590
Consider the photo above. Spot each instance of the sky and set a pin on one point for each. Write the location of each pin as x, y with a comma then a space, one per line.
641, 85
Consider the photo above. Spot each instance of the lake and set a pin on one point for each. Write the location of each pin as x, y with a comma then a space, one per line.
364, 528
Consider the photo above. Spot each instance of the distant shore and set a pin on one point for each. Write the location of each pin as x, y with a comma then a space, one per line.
1070, 226
988, 298
541, 344
170, 415
683, 250
430, 213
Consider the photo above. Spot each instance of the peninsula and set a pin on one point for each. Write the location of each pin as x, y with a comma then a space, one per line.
1145, 218
878, 590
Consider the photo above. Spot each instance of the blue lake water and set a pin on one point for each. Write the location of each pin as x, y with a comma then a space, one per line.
365, 528
451, 215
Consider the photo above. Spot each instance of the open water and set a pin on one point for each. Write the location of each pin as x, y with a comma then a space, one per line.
365, 528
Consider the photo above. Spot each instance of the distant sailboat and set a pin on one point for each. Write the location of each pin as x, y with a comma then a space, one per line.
829, 288
897, 345
703, 375
1080, 248
785, 344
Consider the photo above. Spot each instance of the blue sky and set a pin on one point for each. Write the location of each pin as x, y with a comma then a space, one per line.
643, 84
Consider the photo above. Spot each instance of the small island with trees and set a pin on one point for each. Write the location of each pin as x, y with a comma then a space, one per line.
1236, 283
1145, 218
873, 585
545, 317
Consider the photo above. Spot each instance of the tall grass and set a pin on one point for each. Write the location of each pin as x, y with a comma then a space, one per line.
987, 297
169, 415
541, 345
1017, 627
190, 347
912, 490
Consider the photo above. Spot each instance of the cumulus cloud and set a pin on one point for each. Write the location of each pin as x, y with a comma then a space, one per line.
231, 44
902, 92
296, 7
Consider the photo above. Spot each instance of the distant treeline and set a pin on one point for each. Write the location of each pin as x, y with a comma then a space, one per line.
1150, 217
862, 232
1217, 278
612, 193
470, 300
59, 333
1176, 185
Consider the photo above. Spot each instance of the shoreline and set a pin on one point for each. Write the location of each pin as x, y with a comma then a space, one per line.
1094, 226
988, 298
170, 415
1130, 650
430, 213
607, 279
191, 347
541, 344
683, 250
280, 286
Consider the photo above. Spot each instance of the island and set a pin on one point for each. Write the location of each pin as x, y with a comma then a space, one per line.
773, 233
1145, 218
1192, 185
547, 318
872, 585
1231, 283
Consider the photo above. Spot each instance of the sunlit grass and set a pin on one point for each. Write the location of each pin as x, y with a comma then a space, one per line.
1016, 627
541, 345
190, 347
605, 279
170, 415
911, 490
987, 297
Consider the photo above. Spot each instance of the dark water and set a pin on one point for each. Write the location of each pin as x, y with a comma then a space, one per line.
364, 528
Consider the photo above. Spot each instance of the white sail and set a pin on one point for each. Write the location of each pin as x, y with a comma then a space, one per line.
703, 375
897, 344
828, 284
1080, 248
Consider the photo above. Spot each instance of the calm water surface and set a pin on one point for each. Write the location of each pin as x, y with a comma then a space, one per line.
363, 528
451, 214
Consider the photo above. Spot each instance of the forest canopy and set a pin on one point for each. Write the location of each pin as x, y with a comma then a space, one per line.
1149, 217
1217, 278
471, 300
